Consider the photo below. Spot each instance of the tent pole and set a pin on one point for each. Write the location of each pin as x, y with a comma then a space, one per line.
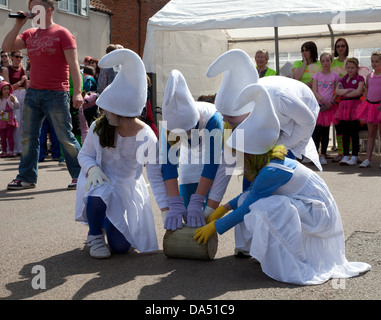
276, 49
332, 34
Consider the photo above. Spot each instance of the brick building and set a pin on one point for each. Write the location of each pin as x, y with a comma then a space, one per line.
129, 20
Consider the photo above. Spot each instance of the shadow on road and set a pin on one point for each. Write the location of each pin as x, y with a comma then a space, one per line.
174, 278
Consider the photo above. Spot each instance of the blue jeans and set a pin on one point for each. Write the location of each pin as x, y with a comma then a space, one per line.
53, 105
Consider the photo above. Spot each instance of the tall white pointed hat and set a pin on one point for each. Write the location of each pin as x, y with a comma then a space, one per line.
127, 94
240, 71
179, 108
261, 128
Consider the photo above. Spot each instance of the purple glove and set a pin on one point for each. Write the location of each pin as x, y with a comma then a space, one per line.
174, 219
195, 212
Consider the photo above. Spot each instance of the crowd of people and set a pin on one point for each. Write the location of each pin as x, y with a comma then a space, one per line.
285, 216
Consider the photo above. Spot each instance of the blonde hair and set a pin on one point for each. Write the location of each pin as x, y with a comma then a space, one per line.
330, 56
376, 53
353, 60
253, 163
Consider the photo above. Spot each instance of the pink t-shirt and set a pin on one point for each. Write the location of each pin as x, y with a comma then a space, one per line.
49, 69
374, 88
326, 84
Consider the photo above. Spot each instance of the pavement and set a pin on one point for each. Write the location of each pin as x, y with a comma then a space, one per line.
43, 256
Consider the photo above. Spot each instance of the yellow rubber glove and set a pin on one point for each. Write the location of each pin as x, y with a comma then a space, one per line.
217, 214
204, 233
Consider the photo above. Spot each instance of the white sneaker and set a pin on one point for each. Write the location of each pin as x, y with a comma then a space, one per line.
344, 160
353, 161
98, 247
365, 164
322, 160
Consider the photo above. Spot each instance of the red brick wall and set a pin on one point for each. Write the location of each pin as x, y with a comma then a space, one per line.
125, 27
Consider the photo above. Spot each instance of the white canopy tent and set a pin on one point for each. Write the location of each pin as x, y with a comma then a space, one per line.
188, 35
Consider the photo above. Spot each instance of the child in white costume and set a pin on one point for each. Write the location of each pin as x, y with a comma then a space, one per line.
290, 221
111, 190
199, 126
294, 103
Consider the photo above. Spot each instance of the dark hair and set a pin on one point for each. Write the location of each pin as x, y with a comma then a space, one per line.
105, 131
89, 70
111, 47
336, 54
311, 46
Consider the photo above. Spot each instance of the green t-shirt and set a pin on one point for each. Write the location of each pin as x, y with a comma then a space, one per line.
339, 67
309, 71
71, 85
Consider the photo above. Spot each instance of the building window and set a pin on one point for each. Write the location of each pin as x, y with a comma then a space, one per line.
3, 3
80, 7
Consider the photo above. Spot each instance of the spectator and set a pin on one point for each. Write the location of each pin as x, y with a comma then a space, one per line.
303, 70
16, 75
147, 115
323, 87
47, 95
338, 65
261, 59
4, 59
94, 64
350, 88
89, 83
54, 143
106, 75
8, 121
340, 53
86, 61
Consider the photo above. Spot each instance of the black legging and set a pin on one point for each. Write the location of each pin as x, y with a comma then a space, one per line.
350, 129
321, 135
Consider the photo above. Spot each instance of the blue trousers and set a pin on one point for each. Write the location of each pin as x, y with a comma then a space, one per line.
186, 190
96, 217
55, 144
54, 105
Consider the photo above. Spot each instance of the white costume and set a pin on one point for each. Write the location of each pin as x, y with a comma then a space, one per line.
291, 223
182, 113
126, 196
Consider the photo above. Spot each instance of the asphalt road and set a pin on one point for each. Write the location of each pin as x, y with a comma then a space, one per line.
43, 255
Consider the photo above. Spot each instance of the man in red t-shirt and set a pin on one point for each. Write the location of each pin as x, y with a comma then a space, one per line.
52, 52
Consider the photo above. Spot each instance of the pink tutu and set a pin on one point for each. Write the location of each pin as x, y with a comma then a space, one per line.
325, 118
347, 110
368, 112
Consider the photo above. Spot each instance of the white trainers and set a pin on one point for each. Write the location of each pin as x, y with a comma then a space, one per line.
353, 161
345, 160
322, 160
98, 247
365, 164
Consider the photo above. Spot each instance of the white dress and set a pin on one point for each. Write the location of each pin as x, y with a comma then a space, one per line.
127, 197
297, 234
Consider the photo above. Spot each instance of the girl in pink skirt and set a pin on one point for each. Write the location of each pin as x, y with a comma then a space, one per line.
323, 87
350, 88
8, 122
369, 111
